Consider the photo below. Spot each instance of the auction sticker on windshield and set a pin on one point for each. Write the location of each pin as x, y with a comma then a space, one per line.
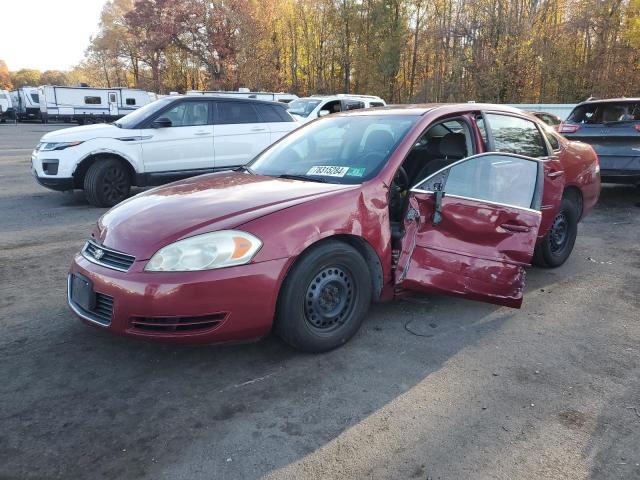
328, 171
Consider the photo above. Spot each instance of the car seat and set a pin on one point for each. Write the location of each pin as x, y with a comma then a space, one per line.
453, 147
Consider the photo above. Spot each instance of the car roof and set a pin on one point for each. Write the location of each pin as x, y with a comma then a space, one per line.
424, 108
225, 98
341, 96
610, 100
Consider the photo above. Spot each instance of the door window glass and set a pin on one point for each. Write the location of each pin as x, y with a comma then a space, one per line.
516, 135
333, 107
553, 140
270, 113
483, 129
236, 112
112, 97
187, 114
491, 177
354, 105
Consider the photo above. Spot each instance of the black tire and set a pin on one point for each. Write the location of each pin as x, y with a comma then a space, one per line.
107, 183
557, 245
324, 298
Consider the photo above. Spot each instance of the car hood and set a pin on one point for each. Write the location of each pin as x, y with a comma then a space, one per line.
85, 132
299, 118
149, 221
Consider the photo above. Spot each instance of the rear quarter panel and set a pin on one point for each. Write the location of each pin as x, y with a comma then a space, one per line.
582, 171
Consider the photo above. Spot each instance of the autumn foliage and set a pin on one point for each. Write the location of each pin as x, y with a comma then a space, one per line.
402, 50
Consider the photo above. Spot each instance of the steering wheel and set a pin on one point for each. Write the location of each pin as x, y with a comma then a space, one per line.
401, 179
399, 186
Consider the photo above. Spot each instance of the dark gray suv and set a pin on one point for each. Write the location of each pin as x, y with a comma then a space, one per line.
612, 128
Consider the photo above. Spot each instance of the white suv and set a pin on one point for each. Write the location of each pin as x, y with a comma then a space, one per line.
172, 138
306, 109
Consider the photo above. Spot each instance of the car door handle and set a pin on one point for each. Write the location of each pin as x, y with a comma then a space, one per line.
511, 227
202, 133
555, 173
258, 129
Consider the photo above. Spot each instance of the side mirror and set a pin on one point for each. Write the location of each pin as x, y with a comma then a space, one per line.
322, 113
162, 122
437, 211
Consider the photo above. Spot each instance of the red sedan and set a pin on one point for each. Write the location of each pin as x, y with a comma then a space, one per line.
348, 210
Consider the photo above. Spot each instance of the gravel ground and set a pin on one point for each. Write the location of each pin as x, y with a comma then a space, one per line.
431, 387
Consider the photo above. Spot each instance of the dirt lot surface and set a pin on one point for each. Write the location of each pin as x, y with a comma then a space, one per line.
431, 387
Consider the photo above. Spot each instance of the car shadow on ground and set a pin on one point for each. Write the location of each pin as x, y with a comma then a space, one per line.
122, 408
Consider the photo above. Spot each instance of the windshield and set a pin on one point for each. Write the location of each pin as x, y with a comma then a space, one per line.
347, 149
303, 107
134, 118
605, 112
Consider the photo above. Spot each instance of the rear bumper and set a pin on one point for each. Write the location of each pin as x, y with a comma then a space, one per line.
620, 176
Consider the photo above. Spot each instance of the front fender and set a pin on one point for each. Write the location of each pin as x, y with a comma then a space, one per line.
289, 232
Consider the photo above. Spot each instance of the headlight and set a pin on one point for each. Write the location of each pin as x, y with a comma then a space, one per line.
49, 146
205, 252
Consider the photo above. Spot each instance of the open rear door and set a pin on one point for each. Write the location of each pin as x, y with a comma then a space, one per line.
470, 229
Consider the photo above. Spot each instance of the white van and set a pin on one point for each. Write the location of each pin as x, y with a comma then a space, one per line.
26, 103
6, 106
88, 104
306, 109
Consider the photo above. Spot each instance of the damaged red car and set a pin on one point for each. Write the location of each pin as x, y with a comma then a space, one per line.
348, 210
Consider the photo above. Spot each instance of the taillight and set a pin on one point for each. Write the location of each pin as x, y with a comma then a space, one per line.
637, 125
569, 128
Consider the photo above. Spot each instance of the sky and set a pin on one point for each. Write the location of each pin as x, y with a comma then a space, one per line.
46, 34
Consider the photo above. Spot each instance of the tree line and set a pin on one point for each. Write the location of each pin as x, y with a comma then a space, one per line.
403, 50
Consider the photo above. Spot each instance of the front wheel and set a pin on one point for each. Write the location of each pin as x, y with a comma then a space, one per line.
107, 183
557, 245
324, 298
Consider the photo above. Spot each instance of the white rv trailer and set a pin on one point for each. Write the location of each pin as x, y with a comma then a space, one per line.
88, 104
246, 93
6, 106
26, 103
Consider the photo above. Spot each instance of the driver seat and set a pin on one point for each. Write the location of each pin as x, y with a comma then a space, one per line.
453, 147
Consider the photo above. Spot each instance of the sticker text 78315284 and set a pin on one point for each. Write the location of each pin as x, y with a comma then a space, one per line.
328, 171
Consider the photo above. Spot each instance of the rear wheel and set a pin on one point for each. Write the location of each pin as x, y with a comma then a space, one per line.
107, 183
324, 298
557, 244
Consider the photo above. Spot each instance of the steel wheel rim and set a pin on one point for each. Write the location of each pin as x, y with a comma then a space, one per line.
114, 184
329, 299
559, 233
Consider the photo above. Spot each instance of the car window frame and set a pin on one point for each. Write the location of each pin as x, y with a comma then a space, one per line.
460, 116
216, 117
491, 146
262, 119
536, 201
147, 123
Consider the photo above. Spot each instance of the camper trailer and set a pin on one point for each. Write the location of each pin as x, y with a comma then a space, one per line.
89, 105
6, 106
26, 103
246, 93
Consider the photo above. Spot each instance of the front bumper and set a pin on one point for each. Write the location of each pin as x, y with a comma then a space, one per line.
240, 300
60, 184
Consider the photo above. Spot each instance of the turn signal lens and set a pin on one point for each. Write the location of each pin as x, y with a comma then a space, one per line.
242, 246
